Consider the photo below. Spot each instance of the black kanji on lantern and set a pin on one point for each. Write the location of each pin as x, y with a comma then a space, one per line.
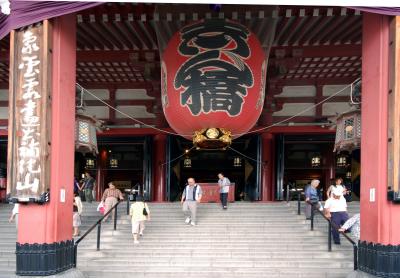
215, 78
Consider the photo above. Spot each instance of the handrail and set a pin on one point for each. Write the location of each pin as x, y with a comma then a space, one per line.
334, 226
98, 224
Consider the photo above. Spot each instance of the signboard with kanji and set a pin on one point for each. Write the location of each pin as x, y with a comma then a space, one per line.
29, 115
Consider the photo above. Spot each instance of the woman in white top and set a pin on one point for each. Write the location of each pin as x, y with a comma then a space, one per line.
338, 184
14, 215
77, 211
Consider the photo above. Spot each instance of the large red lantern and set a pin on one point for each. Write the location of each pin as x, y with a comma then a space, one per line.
213, 81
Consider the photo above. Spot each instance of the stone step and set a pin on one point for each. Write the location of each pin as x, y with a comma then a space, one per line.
137, 262
244, 247
180, 253
248, 240
184, 271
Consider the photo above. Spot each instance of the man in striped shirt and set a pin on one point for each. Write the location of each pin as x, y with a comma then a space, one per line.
110, 198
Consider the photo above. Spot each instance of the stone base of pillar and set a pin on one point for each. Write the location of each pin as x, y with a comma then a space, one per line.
71, 273
378, 259
360, 274
45, 259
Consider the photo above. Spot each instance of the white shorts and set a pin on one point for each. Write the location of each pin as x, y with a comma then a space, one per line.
137, 226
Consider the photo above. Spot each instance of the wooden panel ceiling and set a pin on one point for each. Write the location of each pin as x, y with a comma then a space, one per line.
118, 43
142, 28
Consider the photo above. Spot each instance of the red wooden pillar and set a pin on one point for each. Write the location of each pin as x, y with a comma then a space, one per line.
328, 163
267, 191
380, 223
159, 142
44, 230
101, 173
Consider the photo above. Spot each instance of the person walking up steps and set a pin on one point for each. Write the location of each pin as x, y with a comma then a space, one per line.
190, 198
224, 184
110, 198
139, 212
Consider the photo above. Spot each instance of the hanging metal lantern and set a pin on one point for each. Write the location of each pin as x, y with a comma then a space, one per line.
187, 163
237, 162
85, 134
341, 161
316, 161
90, 163
348, 175
348, 131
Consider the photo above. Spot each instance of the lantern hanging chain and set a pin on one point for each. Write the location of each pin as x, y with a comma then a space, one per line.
176, 158
300, 113
235, 135
125, 114
245, 156
81, 99
351, 97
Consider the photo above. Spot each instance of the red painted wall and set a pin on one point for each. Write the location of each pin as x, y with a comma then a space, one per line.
52, 222
379, 219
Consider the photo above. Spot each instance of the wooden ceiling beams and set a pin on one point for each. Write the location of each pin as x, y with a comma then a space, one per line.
118, 43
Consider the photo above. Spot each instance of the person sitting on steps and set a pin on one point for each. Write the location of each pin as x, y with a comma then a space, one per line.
336, 209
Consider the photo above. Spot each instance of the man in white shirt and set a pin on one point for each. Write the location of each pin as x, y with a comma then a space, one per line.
336, 208
224, 184
190, 197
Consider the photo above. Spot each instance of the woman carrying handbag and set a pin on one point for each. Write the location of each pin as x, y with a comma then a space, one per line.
139, 212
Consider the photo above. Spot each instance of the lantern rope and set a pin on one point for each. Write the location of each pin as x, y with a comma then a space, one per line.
300, 113
245, 156
236, 151
176, 158
81, 98
235, 135
125, 114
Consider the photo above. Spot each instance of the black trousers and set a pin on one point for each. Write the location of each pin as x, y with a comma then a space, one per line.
338, 218
224, 199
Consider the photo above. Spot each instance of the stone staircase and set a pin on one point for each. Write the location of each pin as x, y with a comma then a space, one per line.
247, 240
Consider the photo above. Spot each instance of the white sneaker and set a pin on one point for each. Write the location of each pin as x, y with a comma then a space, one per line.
192, 223
187, 221
136, 242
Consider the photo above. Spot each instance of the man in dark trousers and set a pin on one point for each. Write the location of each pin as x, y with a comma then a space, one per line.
224, 184
88, 185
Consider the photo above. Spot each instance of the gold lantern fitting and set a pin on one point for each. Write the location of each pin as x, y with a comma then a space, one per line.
212, 138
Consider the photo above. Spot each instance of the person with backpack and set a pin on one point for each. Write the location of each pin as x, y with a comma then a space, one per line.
190, 198
139, 212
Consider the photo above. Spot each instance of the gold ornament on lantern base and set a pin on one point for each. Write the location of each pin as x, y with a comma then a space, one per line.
212, 138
